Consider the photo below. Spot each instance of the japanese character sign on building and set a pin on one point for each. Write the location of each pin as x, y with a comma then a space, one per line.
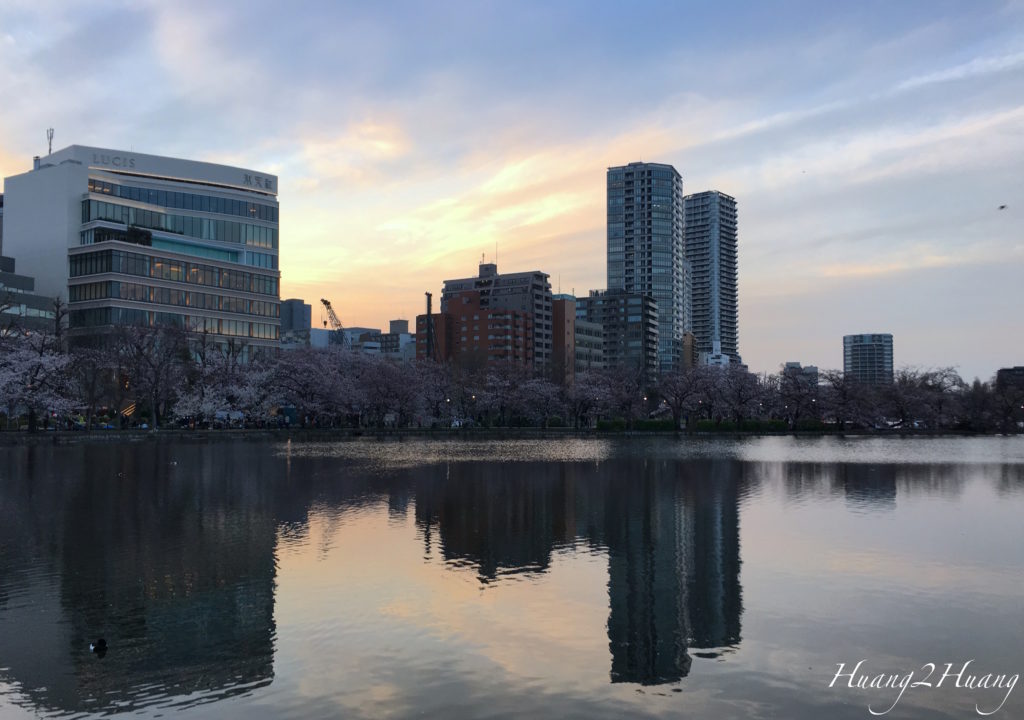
258, 181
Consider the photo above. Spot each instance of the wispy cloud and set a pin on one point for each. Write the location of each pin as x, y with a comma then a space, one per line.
976, 67
863, 144
876, 269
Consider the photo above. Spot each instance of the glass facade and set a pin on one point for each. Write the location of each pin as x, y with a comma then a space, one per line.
111, 316
646, 254
711, 231
130, 263
186, 201
123, 275
868, 358
172, 296
23, 310
200, 228
629, 323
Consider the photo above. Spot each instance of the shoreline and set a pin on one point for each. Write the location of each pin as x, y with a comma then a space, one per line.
73, 437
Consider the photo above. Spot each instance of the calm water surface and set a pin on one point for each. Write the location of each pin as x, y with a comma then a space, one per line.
580, 578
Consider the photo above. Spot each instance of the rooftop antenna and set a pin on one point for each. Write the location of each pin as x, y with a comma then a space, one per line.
49, 141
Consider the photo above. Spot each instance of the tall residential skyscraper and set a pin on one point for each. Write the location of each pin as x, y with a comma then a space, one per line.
134, 239
646, 252
712, 263
868, 358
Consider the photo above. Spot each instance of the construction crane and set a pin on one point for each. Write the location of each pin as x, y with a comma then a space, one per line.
338, 335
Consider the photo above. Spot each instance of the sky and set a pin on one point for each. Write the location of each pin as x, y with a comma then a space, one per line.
869, 144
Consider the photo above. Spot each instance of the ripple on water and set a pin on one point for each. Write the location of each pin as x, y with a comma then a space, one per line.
576, 577
407, 452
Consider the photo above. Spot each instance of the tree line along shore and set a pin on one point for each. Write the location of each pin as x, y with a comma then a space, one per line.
149, 378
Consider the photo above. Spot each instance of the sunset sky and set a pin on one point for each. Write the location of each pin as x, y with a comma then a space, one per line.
869, 144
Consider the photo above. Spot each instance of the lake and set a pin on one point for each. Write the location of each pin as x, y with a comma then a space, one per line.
802, 578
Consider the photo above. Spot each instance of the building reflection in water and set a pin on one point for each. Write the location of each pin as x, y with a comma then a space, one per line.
168, 554
501, 518
168, 551
672, 533
670, 528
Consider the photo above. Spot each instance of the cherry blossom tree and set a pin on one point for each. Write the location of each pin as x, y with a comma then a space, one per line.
585, 396
740, 392
93, 378
433, 383
681, 390
799, 396
540, 399
154, 360
33, 377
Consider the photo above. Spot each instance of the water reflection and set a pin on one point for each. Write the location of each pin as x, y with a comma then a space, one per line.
674, 564
867, 485
171, 552
671, 531
172, 563
501, 518
876, 485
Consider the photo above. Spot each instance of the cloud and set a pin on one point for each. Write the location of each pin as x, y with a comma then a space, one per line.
974, 68
870, 153
923, 307
861, 146
361, 154
886, 268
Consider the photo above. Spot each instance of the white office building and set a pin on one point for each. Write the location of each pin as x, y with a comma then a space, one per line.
128, 238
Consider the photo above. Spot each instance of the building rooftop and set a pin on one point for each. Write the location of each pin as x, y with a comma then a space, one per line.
128, 162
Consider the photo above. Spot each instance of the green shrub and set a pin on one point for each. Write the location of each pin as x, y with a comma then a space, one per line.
715, 426
764, 426
655, 425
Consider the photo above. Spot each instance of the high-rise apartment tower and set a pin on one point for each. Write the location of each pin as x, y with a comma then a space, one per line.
646, 252
867, 358
712, 264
